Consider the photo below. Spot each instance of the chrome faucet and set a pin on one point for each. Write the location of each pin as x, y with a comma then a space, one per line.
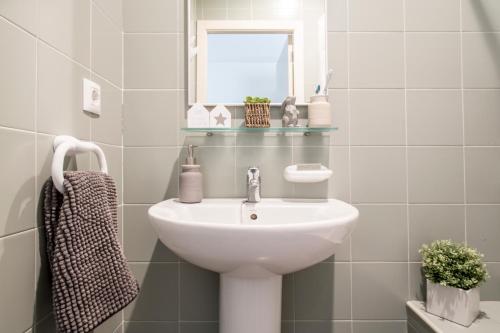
253, 184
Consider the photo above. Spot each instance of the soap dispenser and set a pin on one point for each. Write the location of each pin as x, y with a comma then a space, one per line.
190, 179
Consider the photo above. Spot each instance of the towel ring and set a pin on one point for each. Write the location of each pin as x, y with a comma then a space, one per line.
68, 145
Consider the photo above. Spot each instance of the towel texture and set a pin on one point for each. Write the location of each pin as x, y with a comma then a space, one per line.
90, 277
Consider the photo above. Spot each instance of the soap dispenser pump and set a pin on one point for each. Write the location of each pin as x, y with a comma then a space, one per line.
190, 179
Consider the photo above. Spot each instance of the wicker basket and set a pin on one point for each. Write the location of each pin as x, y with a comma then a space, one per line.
257, 115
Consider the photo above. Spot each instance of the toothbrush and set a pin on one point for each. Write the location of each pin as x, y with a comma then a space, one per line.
318, 89
328, 79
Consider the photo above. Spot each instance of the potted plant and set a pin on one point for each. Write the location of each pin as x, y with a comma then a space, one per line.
454, 272
257, 112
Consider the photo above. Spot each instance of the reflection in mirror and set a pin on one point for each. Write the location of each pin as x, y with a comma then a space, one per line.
242, 65
271, 48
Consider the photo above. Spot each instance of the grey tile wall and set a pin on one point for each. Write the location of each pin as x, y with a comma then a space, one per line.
429, 15
390, 117
415, 95
50, 46
433, 60
434, 117
175, 296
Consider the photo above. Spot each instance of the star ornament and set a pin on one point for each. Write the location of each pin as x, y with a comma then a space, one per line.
221, 120
219, 116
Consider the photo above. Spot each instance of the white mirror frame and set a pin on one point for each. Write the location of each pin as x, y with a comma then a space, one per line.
204, 27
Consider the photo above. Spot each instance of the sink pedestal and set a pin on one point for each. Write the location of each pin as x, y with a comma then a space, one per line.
250, 305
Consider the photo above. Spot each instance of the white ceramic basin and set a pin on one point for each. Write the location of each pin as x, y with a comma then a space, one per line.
219, 235
285, 235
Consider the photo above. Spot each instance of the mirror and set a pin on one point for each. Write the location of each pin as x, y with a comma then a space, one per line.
265, 48
261, 59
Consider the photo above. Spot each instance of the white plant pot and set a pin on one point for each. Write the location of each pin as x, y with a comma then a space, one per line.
454, 304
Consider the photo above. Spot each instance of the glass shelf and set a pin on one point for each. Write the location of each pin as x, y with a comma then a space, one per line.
302, 130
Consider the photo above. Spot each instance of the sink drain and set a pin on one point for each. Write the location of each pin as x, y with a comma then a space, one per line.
253, 217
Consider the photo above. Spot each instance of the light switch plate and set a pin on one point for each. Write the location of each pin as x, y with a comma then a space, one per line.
91, 97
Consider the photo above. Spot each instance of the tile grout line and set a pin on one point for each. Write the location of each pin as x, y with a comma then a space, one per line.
356, 262
154, 33
293, 187
362, 204
91, 62
36, 164
400, 31
178, 74
407, 161
107, 81
122, 150
293, 302
168, 321
268, 146
464, 159
19, 27
349, 158
38, 322
18, 233
179, 295
276, 107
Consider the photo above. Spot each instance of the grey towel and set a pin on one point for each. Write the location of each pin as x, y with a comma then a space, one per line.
90, 277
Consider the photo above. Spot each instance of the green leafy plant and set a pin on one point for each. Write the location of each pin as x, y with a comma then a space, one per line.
257, 100
453, 264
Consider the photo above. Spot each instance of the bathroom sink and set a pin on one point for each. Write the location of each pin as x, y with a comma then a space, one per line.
286, 235
252, 245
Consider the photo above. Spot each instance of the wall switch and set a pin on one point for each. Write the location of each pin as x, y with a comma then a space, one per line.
91, 97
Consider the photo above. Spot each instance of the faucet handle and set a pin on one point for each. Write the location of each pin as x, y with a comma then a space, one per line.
253, 170
253, 173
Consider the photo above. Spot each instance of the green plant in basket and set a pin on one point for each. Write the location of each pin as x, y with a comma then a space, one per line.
257, 100
453, 264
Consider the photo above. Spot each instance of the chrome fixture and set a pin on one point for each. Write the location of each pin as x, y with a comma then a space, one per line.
253, 184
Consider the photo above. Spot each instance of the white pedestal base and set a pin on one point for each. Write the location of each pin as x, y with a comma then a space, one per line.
250, 305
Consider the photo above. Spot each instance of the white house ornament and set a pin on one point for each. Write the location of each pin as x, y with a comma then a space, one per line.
220, 117
198, 117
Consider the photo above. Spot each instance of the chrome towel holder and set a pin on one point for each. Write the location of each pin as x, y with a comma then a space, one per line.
68, 145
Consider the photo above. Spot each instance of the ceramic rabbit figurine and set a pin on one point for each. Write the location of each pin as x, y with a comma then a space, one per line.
290, 112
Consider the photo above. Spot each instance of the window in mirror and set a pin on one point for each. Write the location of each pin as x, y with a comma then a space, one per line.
236, 59
243, 64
